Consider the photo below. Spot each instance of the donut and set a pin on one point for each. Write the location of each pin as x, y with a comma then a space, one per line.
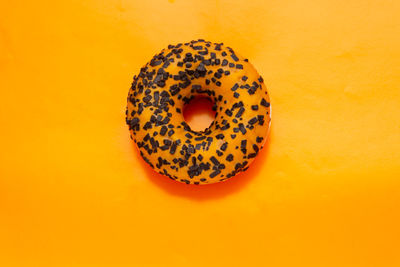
167, 83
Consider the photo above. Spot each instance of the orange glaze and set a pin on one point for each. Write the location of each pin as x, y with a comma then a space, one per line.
174, 77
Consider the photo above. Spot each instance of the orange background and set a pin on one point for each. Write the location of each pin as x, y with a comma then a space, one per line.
324, 192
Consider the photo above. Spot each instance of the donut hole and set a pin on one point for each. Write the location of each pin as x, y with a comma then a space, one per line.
198, 113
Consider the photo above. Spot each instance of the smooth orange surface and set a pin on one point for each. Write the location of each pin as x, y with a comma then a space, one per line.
325, 191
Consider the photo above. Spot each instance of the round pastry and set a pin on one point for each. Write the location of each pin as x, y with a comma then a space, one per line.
169, 82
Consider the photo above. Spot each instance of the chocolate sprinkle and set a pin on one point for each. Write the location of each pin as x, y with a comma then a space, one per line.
170, 81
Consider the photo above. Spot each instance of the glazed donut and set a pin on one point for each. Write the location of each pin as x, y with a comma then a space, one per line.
169, 82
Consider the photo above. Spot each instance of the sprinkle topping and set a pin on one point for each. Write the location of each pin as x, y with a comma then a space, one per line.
170, 81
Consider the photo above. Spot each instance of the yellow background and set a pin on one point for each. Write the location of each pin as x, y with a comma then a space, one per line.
324, 192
